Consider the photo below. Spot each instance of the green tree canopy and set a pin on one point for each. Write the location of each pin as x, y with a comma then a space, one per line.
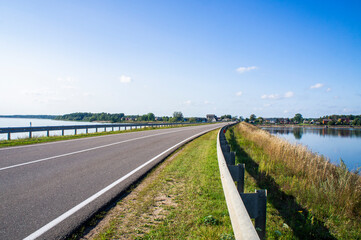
252, 117
177, 116
298, 117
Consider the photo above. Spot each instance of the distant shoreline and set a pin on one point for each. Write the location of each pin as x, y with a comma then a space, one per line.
51, 117
306, 126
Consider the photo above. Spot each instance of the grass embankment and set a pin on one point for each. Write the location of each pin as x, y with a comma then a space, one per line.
34, 140
308, 197
181, 199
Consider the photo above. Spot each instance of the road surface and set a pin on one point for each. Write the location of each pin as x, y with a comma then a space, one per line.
47, 190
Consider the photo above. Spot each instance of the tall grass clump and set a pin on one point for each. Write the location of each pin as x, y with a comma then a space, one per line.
331, 192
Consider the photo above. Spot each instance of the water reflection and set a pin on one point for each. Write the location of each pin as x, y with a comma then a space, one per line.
333, 143
299, 131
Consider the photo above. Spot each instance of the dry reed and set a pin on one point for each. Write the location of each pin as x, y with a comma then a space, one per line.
325, 182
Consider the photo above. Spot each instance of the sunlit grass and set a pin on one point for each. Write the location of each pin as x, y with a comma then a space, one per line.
312, 195
183, 201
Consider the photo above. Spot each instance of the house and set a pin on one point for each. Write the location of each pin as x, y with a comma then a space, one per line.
273, 121
211, 118
344, 120
326, 120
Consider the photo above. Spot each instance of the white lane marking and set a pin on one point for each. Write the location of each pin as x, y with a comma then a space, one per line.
70, 212
78, 139
86, 150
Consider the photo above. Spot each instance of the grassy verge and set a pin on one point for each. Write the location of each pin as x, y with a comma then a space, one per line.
308, 198
181, 199
34, 140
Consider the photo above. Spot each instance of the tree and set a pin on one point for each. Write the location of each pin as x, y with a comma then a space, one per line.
177, 116
298, 118
252, 117
151, 117
331, 123
192, 120
259, 120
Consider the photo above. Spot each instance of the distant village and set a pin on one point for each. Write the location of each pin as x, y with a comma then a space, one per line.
350, 120
353, 120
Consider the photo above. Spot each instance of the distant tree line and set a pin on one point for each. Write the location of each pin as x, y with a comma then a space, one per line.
354, 120
330, 120
30, 116
121, 117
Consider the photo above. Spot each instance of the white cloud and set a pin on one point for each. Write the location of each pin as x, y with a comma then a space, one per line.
206, 102
66, 79
289, 94
328, 90
239, 93
285, 111
125, 79
246, 69
188, 102
317, 85
271, 96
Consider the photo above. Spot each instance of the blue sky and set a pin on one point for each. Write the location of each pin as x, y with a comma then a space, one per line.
269, 58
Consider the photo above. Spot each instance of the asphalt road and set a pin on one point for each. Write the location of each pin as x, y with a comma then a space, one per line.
47, 190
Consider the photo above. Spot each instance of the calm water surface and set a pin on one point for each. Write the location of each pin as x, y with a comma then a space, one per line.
25, 122
333, 143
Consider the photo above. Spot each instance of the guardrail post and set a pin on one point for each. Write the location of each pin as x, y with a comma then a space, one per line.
30, 134
47, 133
75, 131
96, 129
86, 131
62, 132
105, 129
9, 136
240, 183
260, 221
256, 204
237, 173
230, 157
112, 129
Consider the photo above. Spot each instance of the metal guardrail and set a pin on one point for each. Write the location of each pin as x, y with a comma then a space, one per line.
241, 206
47, 129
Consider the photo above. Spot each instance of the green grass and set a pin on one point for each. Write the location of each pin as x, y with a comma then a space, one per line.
308, 198
35, 140
183, 201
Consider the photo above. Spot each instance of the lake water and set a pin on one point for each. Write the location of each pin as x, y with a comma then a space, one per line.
25, 122
333, 143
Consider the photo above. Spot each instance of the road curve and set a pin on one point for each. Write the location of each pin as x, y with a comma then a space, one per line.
47, 189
